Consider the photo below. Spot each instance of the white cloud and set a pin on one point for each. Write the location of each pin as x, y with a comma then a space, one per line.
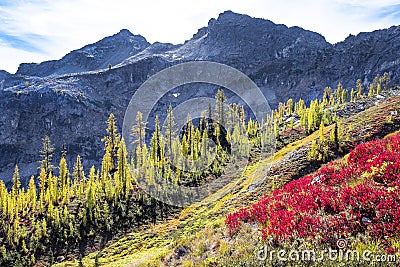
70, 24
11, 56
369, 3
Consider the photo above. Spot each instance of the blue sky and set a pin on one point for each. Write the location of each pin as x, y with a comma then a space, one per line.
38, 30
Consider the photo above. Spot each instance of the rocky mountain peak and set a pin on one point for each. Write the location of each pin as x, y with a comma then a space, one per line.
3, 74
110, 50
234, 37
124, 32
231, 18
122, 37
382, 35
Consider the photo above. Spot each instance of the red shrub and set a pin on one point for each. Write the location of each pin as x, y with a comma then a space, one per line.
327, 204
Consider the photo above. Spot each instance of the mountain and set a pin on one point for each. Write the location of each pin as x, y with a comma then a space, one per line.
70, 99
3, 74
110, 50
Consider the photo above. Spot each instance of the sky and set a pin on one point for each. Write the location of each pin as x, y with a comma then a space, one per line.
39, 30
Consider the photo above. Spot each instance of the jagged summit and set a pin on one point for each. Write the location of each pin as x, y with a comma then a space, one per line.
230, 17
110, 50
382, 36
125, 32
3, 74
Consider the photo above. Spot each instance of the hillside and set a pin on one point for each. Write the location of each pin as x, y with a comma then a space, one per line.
198, 236
132, 209
69, 99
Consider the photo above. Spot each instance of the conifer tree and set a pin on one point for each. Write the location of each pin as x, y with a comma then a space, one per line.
338, 93
32, 194
289, 106
111, 141
204, 145
334, 137
106, 177
106, 166
138, 157
359, 88
47, 156
217, 133
352, 97
385, 80
220, 109
177, 150
64, 180
156, 143
210, 114
169, 129
3, 197
51, 191
138, 131
378, 89
332, 100
376, 81
327, 95
185, 146
300, 107
189, 131
313, 151
371, 90
281, 111
344, 96
230, 123
196, 144
78, 174
124, 175
242, 117
304, 120
203, 121
16, 183
91, 192
43, 183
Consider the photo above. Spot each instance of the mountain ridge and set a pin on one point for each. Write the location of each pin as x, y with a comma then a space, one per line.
90, 57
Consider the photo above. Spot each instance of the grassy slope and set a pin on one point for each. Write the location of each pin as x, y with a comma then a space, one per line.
198, 236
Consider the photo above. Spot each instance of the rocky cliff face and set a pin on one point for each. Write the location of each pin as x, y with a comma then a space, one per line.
70, 99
